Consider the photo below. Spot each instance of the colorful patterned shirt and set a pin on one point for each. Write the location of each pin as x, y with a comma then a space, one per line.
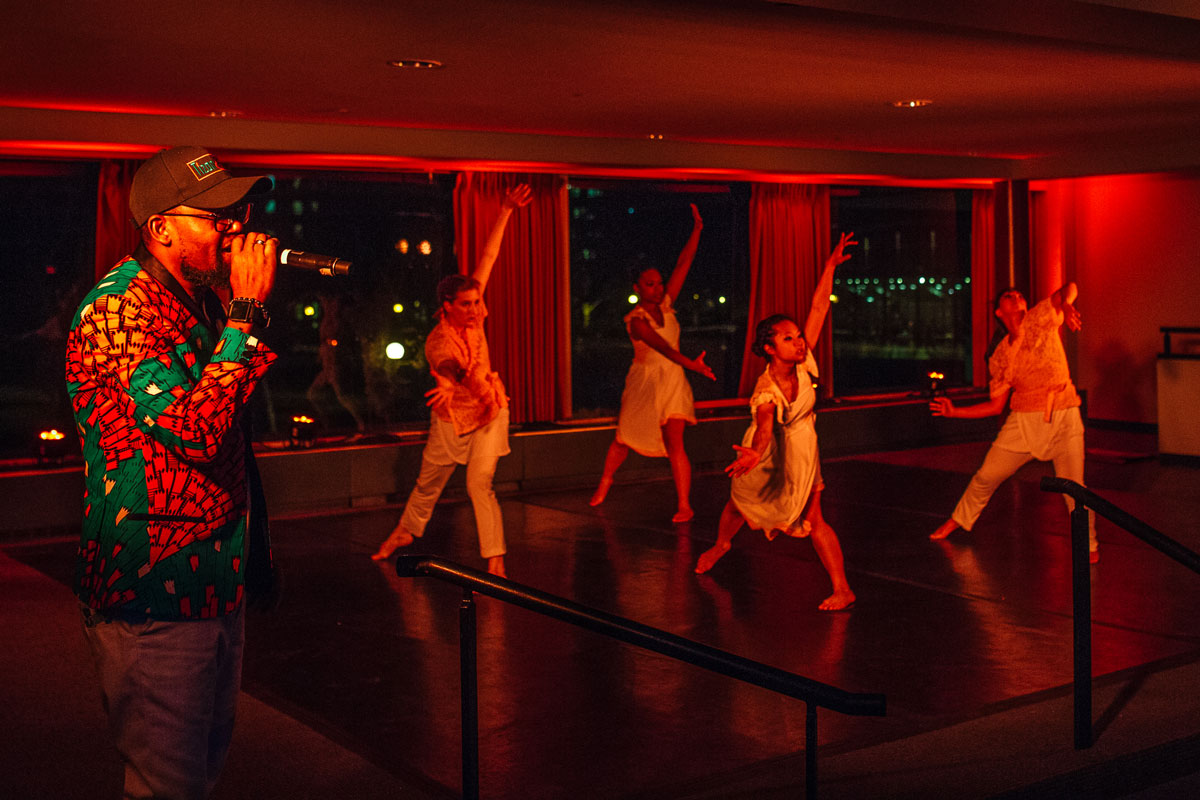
157, 398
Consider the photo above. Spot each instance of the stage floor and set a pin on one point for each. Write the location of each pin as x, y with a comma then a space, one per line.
949, 631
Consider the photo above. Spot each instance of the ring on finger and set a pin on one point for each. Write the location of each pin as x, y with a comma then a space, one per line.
260, 241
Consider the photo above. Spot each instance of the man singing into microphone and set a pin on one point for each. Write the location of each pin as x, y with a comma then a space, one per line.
173, 528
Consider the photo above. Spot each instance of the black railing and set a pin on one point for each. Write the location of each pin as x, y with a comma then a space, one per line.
1081, 583
813, 693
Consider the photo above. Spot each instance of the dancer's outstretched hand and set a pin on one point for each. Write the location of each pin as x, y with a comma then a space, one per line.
941, 407
1072, 318
839, 252
439, 396
747, 460
698, 365
518, 196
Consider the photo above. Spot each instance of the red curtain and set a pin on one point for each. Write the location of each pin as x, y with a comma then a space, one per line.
528, 297
983, 279
789, 240
115, 235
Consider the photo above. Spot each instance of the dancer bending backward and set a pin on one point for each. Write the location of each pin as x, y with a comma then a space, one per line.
1044, 420
777, 474
469, 424
657, 401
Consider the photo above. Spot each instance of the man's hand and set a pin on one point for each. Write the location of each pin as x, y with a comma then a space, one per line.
253, 257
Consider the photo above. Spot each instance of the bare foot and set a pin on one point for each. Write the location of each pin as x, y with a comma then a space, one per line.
838, 601
495, 566
1093, 556
601, 492
398, 538
709, 557
948, 527
683, 514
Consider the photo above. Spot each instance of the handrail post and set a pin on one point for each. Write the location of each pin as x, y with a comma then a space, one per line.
1081, 584
810, 751
470, 696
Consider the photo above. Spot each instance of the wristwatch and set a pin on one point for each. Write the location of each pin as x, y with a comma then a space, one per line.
247, 309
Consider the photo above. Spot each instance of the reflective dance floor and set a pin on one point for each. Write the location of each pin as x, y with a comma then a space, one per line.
951, 632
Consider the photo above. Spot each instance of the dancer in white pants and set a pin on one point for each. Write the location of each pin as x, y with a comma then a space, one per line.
469, 424
1044, 420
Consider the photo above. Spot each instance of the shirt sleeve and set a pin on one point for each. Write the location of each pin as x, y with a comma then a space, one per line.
765, 391
998, 378
131, 351
438, 349
637, 313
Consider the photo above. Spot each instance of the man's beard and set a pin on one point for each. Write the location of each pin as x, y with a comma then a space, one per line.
211, 278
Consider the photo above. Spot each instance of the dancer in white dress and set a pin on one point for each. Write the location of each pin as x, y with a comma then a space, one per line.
776, 482
657, 401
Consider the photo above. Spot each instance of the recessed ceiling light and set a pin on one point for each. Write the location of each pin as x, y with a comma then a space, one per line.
911, 103
416, 63
225, 114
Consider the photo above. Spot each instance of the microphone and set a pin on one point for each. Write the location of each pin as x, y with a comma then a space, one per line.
326, 265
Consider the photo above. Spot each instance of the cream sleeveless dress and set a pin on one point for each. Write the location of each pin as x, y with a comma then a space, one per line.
773, 494
656, 388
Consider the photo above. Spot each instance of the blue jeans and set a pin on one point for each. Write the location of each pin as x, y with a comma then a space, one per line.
169, 689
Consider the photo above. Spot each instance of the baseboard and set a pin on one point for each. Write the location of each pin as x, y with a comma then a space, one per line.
1122, 425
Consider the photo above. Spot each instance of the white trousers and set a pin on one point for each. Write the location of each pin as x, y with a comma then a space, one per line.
1010, 452
430, 483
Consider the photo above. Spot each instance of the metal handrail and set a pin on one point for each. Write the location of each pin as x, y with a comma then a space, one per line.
812, 693
1118, 516
1081, 583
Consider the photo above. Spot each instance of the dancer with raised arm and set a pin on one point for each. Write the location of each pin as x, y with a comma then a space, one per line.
1044, 421
776, 476
469, 424
657, 401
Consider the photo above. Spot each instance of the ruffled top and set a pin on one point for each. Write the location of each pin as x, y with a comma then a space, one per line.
1035, 366
480, 395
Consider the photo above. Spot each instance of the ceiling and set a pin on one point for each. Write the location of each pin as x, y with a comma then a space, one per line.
1019, 88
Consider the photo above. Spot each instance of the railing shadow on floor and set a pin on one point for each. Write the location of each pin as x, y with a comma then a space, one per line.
1081, 584
813, 693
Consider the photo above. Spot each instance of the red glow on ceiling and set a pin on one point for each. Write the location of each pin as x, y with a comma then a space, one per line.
339, 161
98, 108
384, 163
44, 148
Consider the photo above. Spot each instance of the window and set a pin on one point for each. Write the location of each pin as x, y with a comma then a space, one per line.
48, 226
620, 228
903, 302
352, 347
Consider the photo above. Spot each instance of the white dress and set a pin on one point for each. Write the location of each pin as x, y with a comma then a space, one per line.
773, 495
656, 389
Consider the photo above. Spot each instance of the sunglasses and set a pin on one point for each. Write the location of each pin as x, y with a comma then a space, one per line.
224, 219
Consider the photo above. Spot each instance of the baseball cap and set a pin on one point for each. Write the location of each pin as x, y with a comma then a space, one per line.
188, 175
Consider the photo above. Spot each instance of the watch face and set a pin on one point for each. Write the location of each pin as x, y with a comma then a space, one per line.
243, 310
